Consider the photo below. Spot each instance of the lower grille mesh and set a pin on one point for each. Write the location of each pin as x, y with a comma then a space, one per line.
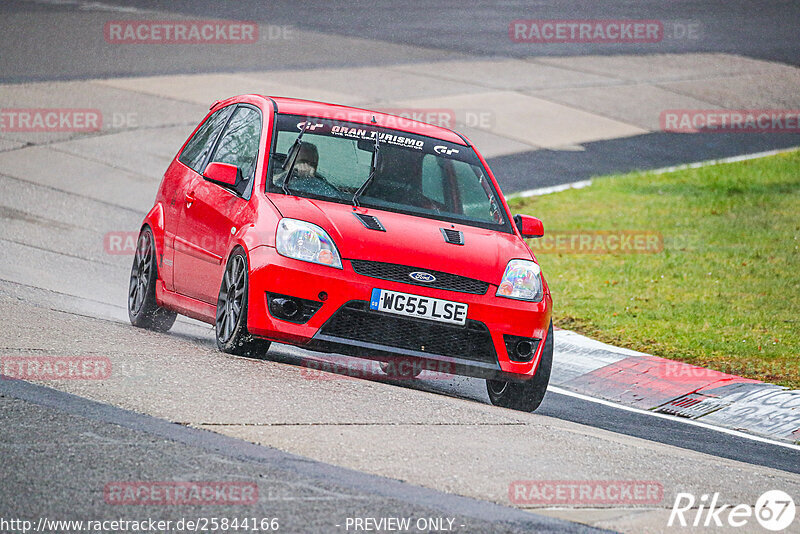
356, 322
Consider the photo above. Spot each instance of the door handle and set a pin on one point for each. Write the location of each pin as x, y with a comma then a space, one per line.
189, 199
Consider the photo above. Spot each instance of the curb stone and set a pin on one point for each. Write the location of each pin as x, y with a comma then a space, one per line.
647, 382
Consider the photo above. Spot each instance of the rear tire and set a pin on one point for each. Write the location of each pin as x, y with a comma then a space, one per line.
231, 319
143, 311
525, 396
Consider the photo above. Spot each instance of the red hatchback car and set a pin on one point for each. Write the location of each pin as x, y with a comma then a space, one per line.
347, 231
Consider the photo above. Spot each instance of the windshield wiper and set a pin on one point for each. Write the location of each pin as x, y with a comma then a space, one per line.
372, 169
294, 151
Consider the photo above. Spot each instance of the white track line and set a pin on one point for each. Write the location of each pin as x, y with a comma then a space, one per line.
664, 170
91, 6
552, 189
732, 159
692, 422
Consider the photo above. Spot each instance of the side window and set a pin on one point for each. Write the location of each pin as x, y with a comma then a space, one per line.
201, 143
240, 140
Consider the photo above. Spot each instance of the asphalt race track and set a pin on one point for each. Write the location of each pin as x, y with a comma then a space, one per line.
98, 443
708, 62
322, 448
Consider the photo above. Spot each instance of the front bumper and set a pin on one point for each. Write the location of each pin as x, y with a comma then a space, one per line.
344, 323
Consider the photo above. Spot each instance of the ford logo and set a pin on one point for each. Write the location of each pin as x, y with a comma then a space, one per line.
422, 277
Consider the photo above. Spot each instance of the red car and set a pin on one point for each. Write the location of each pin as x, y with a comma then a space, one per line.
347, 231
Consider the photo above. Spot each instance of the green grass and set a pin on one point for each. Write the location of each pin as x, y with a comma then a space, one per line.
723, 293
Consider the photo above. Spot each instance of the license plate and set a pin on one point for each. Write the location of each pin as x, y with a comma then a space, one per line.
445, 311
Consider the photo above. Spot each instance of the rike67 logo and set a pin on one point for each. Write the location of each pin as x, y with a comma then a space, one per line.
774, 510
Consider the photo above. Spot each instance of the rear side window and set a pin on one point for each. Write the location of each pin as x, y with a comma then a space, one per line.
202, 142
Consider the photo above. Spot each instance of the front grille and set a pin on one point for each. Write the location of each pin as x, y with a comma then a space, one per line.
400, 273
355, 321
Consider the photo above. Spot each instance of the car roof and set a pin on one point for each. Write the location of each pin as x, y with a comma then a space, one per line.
296, 106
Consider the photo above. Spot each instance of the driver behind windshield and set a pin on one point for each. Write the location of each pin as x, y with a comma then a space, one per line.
398, 179
305, 166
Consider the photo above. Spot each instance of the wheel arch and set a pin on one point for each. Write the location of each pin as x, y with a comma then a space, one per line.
246, 239
155, 221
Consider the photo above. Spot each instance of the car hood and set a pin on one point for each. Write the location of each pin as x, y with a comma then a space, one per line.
408, 240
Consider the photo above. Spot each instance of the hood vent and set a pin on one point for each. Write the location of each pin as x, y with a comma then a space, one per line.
454, 237
370, 221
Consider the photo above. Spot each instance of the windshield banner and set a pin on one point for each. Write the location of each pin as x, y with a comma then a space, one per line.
351, 130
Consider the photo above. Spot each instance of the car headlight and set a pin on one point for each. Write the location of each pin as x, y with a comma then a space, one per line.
304, 241
522, 280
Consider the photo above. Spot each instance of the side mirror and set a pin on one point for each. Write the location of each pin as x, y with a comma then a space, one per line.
529, 226
222, 173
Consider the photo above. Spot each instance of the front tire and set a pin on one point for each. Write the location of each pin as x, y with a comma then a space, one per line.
231, 320
525, 396
143, 311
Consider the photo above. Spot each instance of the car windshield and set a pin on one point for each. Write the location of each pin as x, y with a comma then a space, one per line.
414, 174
